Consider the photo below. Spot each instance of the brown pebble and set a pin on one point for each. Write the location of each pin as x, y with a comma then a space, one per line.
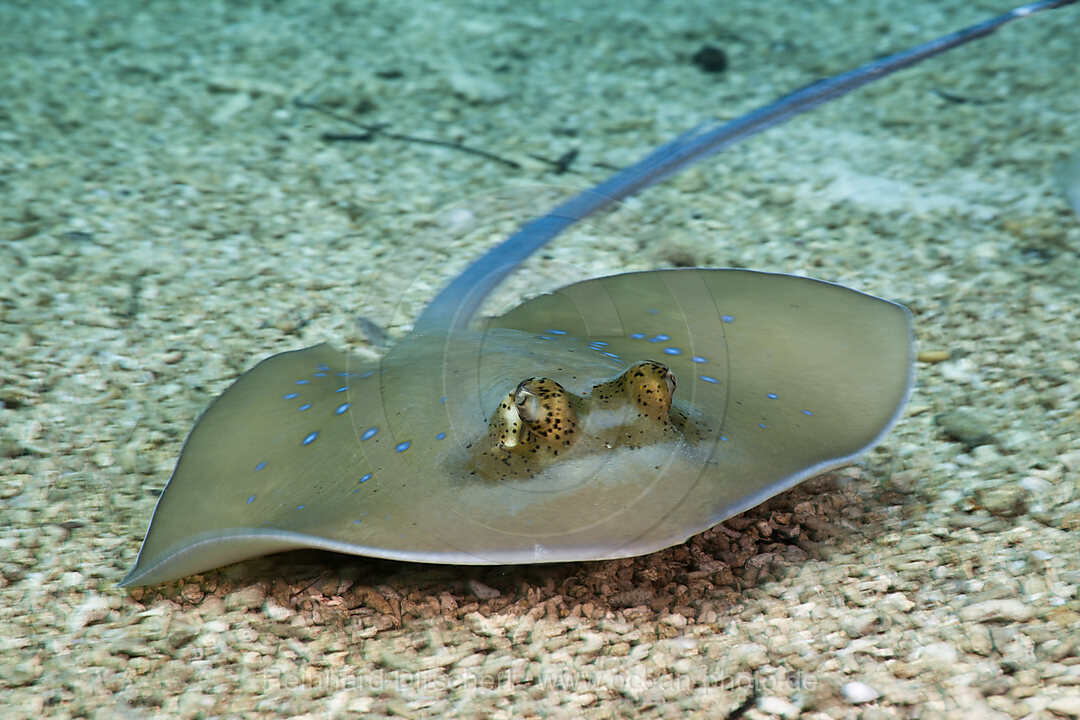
247, 598
191, 593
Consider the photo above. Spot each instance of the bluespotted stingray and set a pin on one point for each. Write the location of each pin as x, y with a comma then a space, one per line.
611, 418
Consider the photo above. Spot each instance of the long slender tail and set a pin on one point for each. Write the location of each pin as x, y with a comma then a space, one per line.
455, 306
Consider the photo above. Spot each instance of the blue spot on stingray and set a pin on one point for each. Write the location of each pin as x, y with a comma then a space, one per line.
301, 507
343, 388
342, 374
807, 412
369, 373
672, 351
251, 500
290, 396
322, 367
660, 338
260, 466
369, 433
364, 478
310, 438
637, 336
319, 374
699, 359
653, 312
545, 337
357, 522
728, 318
724, 438
403, 446
598, 343
762, 426
772, 396
441, 436
611, 355
305, 406
709, 379
442, 399
556, 332
341, 408
302, 382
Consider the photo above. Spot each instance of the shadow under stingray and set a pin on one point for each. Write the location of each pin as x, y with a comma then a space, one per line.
713, 572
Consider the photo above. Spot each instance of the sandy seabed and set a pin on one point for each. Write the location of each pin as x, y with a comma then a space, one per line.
170, 216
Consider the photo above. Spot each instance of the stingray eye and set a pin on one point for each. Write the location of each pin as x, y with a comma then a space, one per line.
528, 404
670, 378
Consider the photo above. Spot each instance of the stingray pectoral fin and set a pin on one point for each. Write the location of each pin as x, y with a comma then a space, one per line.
276, 440
728, 332
791, 376
210, 549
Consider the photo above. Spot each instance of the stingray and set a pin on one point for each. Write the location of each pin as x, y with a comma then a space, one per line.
611, 418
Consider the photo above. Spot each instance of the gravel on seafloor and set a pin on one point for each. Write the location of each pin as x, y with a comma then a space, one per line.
169, 216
